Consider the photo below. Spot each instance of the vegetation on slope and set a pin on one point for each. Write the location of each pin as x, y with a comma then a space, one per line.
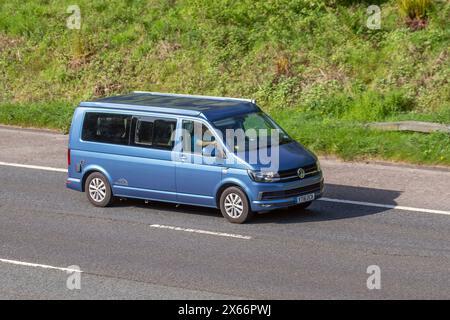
315, 66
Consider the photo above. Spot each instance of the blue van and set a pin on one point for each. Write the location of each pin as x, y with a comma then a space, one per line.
178, 148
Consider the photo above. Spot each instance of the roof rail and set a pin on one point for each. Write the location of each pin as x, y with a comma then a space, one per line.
195, 96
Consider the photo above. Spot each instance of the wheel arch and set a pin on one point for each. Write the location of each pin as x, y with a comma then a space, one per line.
228, 184
90, 170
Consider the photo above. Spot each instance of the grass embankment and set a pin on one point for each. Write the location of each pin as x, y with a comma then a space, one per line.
313, 65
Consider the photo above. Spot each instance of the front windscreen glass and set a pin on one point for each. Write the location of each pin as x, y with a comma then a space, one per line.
254, 129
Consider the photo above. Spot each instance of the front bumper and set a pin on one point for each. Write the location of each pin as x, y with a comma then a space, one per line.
292, 192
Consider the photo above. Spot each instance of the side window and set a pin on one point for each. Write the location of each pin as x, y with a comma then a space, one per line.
196, 136
164, 133
144, 132
106, 128
154, 133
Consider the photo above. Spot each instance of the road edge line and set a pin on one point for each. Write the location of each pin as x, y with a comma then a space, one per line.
387, 206
28, 166
37, 265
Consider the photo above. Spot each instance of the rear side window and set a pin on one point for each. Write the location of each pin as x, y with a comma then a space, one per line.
144, 132
154, 133
106, 128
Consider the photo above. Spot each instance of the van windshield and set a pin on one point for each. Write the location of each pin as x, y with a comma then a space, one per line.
256, 126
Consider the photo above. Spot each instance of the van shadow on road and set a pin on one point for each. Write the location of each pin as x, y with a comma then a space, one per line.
327, 211
318, 211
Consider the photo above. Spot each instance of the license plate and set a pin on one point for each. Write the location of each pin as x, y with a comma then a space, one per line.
306, 198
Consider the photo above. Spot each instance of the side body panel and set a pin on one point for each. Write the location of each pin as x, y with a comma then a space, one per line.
132, 171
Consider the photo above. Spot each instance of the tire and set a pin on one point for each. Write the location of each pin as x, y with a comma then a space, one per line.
98, 190
303, 205
234, 205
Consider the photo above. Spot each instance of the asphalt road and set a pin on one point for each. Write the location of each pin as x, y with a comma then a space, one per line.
161, 251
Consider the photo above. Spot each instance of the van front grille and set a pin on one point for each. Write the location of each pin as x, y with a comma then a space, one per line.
292, 174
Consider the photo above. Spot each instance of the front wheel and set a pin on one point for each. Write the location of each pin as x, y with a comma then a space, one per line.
98, 190
234, 205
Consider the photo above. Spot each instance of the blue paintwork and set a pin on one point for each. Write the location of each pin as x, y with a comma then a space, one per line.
145, 173
291, 155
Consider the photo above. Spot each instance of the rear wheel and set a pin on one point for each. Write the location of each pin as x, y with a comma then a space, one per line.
234, 205
98, 190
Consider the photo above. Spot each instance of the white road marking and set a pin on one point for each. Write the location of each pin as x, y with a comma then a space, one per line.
388, 206
212, 233
359, 203
27, 166
37, 265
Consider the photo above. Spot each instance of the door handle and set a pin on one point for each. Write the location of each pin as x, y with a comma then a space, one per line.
183, 158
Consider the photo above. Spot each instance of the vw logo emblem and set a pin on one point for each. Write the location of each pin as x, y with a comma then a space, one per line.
301, 173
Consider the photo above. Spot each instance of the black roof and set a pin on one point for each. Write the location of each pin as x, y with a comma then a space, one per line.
211, 108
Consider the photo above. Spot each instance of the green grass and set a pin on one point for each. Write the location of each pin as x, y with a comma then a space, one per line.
414, 8
52, 115
352, 141
313, 65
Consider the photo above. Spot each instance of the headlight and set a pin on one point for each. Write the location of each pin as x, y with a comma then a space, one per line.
263, 176
319, 168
